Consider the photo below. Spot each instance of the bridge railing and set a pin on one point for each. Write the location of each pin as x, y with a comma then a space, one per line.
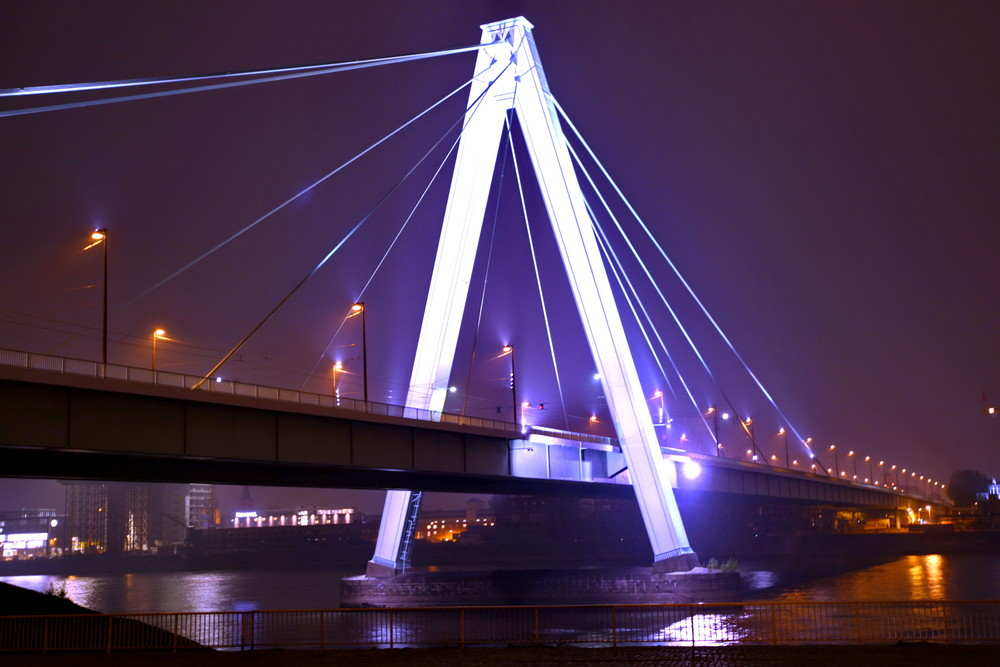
94, 369
711, 624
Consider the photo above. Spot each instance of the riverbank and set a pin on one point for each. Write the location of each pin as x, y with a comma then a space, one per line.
524, 656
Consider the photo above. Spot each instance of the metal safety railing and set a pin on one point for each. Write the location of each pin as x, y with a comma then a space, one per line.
716, 624
95, 369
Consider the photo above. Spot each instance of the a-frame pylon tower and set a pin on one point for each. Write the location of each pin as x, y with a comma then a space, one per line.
509, 77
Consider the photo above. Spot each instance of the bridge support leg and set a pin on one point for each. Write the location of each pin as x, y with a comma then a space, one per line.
385, 562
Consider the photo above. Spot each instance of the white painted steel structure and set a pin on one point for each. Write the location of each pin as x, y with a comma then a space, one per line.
511, 78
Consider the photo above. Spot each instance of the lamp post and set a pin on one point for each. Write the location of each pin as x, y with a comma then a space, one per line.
871, 473
337, 367
784, 433
659, 394
854, 462
101, 236
157, 334
509, 349
715, 428
836, 460
359, 307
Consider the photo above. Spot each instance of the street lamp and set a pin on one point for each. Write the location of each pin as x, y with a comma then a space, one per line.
871, 474
782, 432
157, 334
715, 428
748, 425
337, 367
659, 394
836, 459
509, 349
101, 236
854, 462
359, 307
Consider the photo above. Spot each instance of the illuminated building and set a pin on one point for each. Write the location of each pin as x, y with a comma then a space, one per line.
124, 517
30, 533
448, 525
298, 517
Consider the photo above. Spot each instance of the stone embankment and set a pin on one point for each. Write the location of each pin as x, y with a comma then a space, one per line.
540, 587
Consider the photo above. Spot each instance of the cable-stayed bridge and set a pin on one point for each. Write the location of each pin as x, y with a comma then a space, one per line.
508, 82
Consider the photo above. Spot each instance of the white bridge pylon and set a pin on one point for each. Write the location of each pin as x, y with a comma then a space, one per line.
509, 60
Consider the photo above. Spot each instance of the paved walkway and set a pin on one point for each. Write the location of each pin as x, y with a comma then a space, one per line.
754, 656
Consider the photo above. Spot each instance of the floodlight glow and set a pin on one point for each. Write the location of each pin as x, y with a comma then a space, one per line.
691, 470
725, 415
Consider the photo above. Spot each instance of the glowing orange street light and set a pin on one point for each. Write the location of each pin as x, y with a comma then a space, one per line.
157, 334
359, 307
509, 349
784, 434
337, 367
101, 236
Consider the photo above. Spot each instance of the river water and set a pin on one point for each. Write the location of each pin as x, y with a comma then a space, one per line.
932, 577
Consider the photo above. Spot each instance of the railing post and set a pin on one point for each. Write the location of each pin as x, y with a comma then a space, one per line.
857, 623
774, 624
391, 629
537, 635
614, 626
45, 636
691, 616
322, 630
247, 630
109, 633
944, 615
461, 640
176, 623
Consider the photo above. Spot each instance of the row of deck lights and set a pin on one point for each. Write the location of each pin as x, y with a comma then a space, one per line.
100, 237
901, 483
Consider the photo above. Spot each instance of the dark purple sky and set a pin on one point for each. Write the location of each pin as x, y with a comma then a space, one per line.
822, 173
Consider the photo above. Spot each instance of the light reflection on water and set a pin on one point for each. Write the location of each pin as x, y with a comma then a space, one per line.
217, 590
930, 577
702, 629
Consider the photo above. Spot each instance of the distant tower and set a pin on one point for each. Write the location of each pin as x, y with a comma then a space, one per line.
201, 505
246, 500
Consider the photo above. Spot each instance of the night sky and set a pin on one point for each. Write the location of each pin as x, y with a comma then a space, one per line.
823, 174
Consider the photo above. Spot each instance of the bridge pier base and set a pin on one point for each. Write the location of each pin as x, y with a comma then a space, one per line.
678, 563
380, 570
